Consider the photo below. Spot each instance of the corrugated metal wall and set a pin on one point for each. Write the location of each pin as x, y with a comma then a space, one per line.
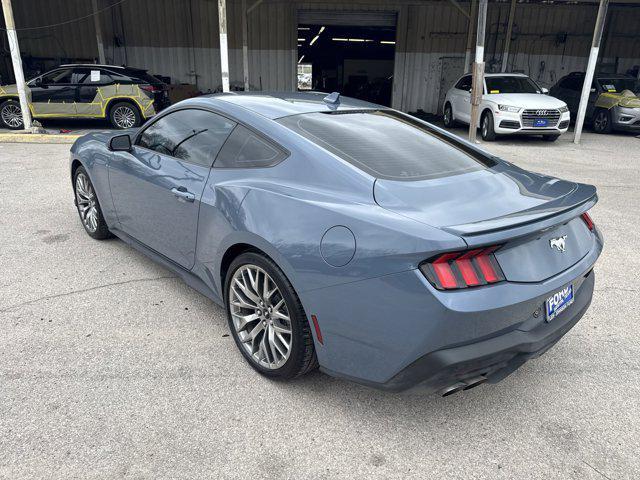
179, 38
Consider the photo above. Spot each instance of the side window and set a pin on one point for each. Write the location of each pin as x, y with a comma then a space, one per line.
57, 76
245, 149
90, 76
572, 82
464, 83
195, 136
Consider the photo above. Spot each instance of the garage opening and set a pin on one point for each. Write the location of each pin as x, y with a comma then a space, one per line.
351, 53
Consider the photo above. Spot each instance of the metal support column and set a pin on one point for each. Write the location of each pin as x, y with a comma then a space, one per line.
245, 47
98, 27
17, 62
478, 71
591, 68
507, 38
224, 49
472, 20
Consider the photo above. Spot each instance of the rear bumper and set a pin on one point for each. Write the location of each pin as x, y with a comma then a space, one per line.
494, 358
397, 332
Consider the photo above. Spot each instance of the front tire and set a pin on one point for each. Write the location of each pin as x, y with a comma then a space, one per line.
448, 120
266, 318
11, 115
88, 206
487, 127
602, 121
123, 115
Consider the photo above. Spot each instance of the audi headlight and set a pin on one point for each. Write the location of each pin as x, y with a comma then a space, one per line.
508, 108
564, 109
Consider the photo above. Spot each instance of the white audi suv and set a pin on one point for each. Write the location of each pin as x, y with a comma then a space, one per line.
511, 103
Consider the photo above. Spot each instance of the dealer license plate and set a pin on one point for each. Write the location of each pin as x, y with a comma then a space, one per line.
559, 302
540, 122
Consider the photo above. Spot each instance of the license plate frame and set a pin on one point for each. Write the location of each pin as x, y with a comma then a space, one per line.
559, 302
541, 122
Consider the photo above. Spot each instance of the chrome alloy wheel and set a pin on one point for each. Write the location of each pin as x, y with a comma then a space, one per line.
260, 316
485, 126
447, 115
12, 115
87, 203
124, 117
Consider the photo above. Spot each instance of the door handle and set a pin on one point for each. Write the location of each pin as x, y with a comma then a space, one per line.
181, 193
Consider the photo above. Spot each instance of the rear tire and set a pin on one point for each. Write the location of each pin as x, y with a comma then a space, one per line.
550, 138
487, 127
448, 120
11, 115
261, 325
602, 121
123, 115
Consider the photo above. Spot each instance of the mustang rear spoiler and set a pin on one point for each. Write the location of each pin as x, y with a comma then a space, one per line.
539, 218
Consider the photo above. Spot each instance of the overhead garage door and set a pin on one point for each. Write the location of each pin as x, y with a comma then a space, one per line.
331, 17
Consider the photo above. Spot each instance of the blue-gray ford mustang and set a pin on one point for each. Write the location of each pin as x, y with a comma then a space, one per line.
347, 235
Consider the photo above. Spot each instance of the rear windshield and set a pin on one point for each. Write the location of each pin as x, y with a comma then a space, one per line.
141, 75
384, 144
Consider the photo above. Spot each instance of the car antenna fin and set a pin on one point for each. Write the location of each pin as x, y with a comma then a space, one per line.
332, 98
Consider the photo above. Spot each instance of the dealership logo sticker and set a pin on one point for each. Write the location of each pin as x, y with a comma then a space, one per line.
558, 243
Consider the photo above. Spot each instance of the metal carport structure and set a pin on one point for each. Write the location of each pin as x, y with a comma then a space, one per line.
179, 37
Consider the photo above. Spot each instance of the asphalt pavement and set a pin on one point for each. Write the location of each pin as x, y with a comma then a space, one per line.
110, 367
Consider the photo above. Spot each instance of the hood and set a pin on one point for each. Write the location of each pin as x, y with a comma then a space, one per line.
525, 100
489, 199
626, 99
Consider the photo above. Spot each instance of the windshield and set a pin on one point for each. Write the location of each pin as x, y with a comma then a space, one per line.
617, 85
385, 144
511, 85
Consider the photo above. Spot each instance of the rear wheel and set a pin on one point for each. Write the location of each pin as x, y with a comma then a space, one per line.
550, 138
124, 115
448, 120
266, 318
88, 206
602, 121
11, 115
486, 127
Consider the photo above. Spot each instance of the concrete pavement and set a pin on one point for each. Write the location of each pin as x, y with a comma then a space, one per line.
110, 367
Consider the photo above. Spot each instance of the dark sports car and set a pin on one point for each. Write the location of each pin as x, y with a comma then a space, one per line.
348, 235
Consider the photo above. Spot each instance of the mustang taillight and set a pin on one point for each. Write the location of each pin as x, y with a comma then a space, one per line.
587, 219
470, 268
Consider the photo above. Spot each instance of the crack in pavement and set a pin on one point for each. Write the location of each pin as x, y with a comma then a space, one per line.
595, 470
97, 287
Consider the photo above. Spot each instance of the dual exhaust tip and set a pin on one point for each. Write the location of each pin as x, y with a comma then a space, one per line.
464, 385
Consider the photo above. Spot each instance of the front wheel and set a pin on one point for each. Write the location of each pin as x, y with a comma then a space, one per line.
266, 318
124, 115
449, 122
88, 206
487, 128
11, 115
602, 121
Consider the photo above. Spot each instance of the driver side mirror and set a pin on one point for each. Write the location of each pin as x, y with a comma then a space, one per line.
38, 82
545, 90
120, 143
